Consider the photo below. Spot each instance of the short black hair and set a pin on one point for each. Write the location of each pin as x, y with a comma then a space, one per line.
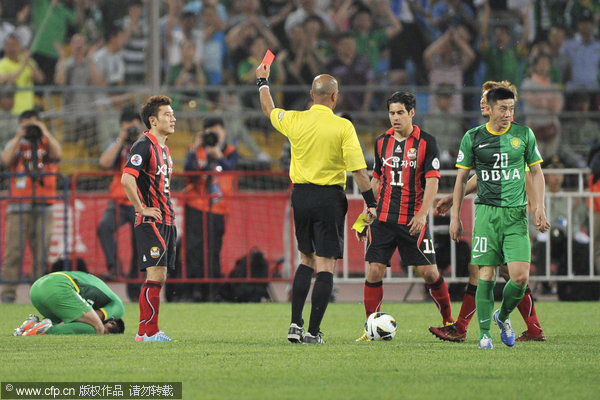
120, 328
407, 98
150, 109
212, 121
129, 114
498, 93
29, 114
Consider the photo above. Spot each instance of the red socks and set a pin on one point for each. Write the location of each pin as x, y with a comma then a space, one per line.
373, 296
439, 292
467, 309
527, 309
149, 304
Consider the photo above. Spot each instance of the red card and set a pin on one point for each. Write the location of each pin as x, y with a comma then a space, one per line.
269, 57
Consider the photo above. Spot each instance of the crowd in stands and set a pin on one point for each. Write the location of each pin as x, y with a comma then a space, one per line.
549, 49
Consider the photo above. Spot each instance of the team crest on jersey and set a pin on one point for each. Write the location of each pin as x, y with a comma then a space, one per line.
154, 252
411, 153
515, 143
435, 163
460, 156
136, 160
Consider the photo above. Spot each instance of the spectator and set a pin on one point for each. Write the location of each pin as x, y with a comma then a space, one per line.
277, 11
186, 77
244, 27
52, 20
196, 7
9, 122
451, 13
446, 60
18, 68
583, 46
575, 9
579, 132
305, 9
410, 43
372, 43
443, 119
120, 211
136, 40
110, 68
21, 31
501, 58
351, 68
179, 29
91, 26
215, 47
77, 74
207, 203
542, 102
556, 40
32, 151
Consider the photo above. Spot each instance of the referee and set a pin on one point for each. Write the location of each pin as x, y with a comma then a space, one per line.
324, 146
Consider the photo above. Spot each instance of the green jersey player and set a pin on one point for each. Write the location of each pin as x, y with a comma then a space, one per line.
73, 302
499, 151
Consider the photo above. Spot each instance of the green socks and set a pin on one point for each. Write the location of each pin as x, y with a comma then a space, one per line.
484, 301
72, 328
511, 297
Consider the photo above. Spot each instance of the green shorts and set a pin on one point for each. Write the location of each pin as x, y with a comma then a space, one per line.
500, 235
55, 297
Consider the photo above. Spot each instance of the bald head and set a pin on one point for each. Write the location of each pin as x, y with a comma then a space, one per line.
324, 86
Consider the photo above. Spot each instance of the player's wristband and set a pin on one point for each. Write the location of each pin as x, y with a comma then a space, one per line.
260, 82
369, 198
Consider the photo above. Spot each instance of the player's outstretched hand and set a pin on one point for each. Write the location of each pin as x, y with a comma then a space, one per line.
456, 229
152, 212
443, 205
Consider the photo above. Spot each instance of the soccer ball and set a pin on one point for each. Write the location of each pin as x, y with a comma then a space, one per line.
380, 326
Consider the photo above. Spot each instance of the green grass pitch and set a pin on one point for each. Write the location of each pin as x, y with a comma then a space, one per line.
240, 351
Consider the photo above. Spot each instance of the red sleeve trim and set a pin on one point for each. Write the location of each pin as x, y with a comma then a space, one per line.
131, 171
433, 174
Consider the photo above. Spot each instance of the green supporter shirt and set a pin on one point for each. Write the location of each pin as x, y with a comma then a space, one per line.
96, 293
500, 160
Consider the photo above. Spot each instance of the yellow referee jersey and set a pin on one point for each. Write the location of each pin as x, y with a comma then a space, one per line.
324, 146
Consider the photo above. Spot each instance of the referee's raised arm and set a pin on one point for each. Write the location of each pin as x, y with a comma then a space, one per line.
266, 101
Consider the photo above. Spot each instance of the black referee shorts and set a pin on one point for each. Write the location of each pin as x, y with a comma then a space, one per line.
386, 237
319, 216
155, 245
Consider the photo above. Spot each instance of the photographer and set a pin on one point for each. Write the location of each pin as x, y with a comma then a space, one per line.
119, 211
207, 198
31, 154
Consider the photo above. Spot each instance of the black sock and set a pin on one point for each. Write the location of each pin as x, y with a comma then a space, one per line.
300, 289
320, 298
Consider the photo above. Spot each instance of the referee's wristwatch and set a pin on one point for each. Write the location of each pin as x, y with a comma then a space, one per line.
262, 82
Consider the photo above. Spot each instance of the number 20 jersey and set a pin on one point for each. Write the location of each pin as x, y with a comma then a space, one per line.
402, 168
499, 159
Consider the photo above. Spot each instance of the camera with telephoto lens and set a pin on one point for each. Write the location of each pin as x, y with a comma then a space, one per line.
132, 134
33, 133
209, 139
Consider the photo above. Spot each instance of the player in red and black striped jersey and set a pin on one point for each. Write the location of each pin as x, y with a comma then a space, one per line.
146, 182
405, 178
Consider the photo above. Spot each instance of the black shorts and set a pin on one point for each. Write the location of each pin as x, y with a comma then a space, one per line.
155, 245
386, 237
319, 216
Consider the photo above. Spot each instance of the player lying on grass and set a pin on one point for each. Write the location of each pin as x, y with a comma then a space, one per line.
73, 302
